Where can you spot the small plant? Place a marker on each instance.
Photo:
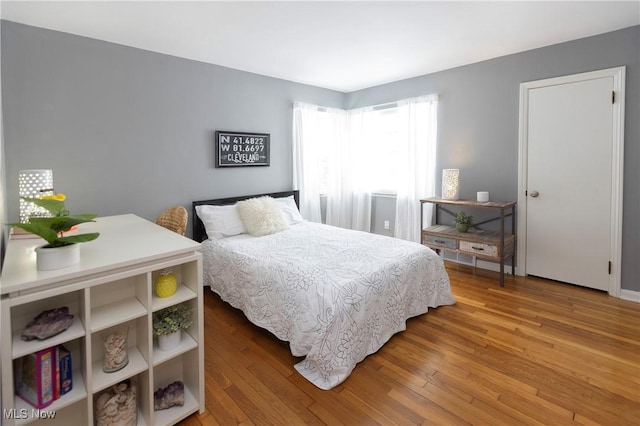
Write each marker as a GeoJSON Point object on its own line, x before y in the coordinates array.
{"type": "Point", "coordinates": [53, 228]}
{"type": "Point", "coordinates": [463, 221]}
{"type": "Point", "coordinates": [169, 320]}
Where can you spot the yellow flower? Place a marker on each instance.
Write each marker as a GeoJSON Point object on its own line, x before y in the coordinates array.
{"type": "Point", "coordinates": [59, 197]}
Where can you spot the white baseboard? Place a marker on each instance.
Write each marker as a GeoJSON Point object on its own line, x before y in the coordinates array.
{"type": "Point", "coordinates": [631, 295]}
{"type": "Point", "coordinates": [493, 266]}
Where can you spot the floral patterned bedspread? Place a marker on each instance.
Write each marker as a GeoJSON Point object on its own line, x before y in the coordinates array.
{"type": "Point", "coordinates": [335, 295]}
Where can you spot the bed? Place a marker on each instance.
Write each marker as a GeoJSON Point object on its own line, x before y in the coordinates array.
{"type": "Point", "coordinates": [335, 295]}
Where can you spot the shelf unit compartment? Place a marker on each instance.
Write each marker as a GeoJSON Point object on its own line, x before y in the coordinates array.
{"type": "Point", "coordinates": [187, 275]}
{"type": "Point", "coordinates": [178, 368]}
{"type": "Point", "coordinates": [137, 351]}
{"type": "Point", "coordinates": [102, 380]}
{"type": "Point", "coordinates": [22, 314]}
{"type": "Point", "coordinates": [62, 416]}
{"type": "Point", "coordinates": [191, 337]}
{"type": "Point", "coordinates": [67, 402]}
{"type": "Point", "coordinates": [182, 294]}
{"type": "Point", "coordinates": [22, 348]}
{"type": "Point", "coordinates": [186, 344]}
{"type": "Point", "coordinates": [141, 396]}
{"type": "Point", "coordinates": [118, 301]}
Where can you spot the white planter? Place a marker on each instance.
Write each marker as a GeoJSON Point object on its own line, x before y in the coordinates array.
{"type": "Point", "coordinates": [169, 341]}
{"type": "Point", "coordinates": [57, 257]}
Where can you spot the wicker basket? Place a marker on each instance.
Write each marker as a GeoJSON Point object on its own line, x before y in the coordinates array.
{"type": "Point", "coordinates": [174, 218]}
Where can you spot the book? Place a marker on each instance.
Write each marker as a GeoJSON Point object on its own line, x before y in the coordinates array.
{"type": "Point", "coordinates": [56, 374]}
{"type": "Point", "coordinates": [35, 377]}
{"type": "Point", "coordinates": [20, 234]}
{"type": "Point", "coordinates": [64, 368]}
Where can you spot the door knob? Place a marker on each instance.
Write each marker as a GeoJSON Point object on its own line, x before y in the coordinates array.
{"type": "Point", "coordinates": [535, 194]}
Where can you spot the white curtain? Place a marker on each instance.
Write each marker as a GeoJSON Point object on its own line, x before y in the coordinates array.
{"type": "Point", "coordinates": [349, 197]}
{"type": "Point", "coordinates": [417, 137]}
{"type": "Point", "coordinates": [305, 160]}
{"type": "Point", "coordinates": [326, 145]}
{"type": "Point", "coordinates": [333, 154]}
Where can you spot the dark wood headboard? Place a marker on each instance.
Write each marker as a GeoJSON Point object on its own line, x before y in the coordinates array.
{"type": "Point", "coordinates": [199, 233]}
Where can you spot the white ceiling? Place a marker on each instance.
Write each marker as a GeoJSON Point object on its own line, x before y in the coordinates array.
{"type": "Point", "coordinates": [338, 45]}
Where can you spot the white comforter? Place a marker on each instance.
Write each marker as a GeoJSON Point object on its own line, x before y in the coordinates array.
{"type": "Point", "coordinates": [335, 295]}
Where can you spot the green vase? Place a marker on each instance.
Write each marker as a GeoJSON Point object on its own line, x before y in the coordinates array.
{"type": "Point", "coordinates": [462, 227]}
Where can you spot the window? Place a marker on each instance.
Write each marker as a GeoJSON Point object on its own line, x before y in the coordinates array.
{"type": "Point", "coordinates": [379, 150]}
{"type": "Point", "coordinates": [385, 149]}
{"type": "Point", "coordinates": [348, 155]}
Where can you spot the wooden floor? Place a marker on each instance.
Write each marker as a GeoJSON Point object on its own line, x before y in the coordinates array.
{"type": "Point", "coordinates": [533, 352]}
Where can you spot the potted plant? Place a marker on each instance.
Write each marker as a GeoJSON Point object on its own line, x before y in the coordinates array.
{"type": "Point", "coordinates": [168, 324]}
{"type": "Point", "coordinates": [61, 250]}
{"type": "Point", "coordinates": [462, 221]}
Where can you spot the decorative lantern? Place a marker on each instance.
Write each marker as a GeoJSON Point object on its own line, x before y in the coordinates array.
{"type": "Point", "coordinates": [34, 184]}
{"type": "Point", "coordinates": [451, 184]}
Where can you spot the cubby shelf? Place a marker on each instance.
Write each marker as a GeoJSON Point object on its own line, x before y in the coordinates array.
{"type": "Point", "coordinates": [186, 344]}
{"type": "Point", "coordinates": [22, 348]}
{"type": "Point", "coordinates": [111, 288]}
{"type": "Point", "coordinates": [78, 393]}
{"type": "Point", "coordinates": [102, 380]}
{"type": "Point", "coordinates": [182, 294]}
{"type": "Point", "coordinates": [116, 313]}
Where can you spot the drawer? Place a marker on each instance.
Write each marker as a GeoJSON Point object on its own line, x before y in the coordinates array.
{"type": "Point", "coordinates": [480, 249]}
{"type": "Point", "coordinates": [432, 240]}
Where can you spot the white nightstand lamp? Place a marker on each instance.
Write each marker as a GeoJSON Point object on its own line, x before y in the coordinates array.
{"type": "Point", "coordinates": [451, 184]}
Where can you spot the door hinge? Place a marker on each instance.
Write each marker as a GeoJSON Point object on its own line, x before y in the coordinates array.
{"type": "Point", "coordinates": [613, 97]}
{"type": "Point", "coordinates": [609, 267]}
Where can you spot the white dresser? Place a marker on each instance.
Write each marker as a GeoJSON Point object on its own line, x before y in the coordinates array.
{"type": "Point", "coordinates": [111, 288]}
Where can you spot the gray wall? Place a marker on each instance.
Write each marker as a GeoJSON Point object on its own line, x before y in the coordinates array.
{"type": "Point", "coordinates": [478, 121]}
{"type": "Point", "coordinates": [126, 130]}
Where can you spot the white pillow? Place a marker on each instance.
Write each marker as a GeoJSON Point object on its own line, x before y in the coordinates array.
{"type": "Point", "coordinates": [220, 221]}
{"type": "Point", "coordinates": [290, 210]}
{"type": "Point", "coordinates": [261, 216]}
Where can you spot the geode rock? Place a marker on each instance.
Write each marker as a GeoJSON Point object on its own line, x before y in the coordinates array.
{"type": "Point", "coordinates": [48, 323]}
{"type": "Point", "coordinates": [169, 396]}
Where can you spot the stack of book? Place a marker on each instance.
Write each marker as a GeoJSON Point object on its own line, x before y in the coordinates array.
{"type": "Point", "coordinates": [44, 376]}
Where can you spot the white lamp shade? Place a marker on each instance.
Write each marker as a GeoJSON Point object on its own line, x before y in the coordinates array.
{"type": "Point", "coordinates": [34, 184]}
{"type": "Point", "coordinates": [451, 184]}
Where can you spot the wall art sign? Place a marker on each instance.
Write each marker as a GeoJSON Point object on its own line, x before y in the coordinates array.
{"type": "Point", "coordinates": [239, 149]}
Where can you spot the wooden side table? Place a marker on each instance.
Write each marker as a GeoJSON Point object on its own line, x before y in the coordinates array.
{"type": "Point", "coordinates": [495, 246]}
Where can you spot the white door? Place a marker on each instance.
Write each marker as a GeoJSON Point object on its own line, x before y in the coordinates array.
{"type": "Point", "coordinates": [569, 182]}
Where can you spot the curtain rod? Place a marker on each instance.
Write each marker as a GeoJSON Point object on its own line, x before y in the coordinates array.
{"type": "Point", "coordinates": [372, 107]}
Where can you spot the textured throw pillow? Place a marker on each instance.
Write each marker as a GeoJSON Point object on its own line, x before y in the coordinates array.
{"type": "Point", "coordinates": [290, 210]}
{"type": "Point", "coordinates": [220, 221]}
{"type": "Point", "coordinates": [261, 216]}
